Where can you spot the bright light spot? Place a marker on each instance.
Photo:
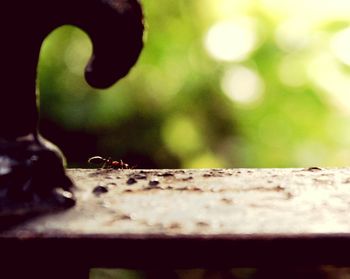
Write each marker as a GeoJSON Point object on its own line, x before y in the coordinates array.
{"type": "Point", "coordinates": [293, 34]}
{"type": "Point", "coordinates": [231, 40]}
{"type": "Point", "coordinates": [228, 8]}
{"type": "Point", "coordinates": [242, 85]}
{"type": "Point", "coordinates": [314, 11]}
{"type": "Point", "coordinates": [340, 45]}
{"type": "Point", "coordinates": [327, 74]}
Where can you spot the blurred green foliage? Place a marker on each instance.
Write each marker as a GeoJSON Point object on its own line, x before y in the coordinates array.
{"type": "Point", "coordinates": [220, 83]}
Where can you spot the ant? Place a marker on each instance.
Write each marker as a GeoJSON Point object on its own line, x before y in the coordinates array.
{"type": "Point", "coordinates": [108, 163]}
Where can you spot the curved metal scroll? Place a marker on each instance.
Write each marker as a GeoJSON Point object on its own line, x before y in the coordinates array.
{"type": "Point", "coordinates": [31, 170]}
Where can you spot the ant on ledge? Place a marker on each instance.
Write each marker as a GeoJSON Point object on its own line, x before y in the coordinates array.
{"type": "Point", "coordinates": [108, 163]}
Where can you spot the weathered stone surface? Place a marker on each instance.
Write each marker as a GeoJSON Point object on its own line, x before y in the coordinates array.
{"type": "Point", "coordinates": [190, 219]}
{"type": "Point", "coordinates": [201, 202]}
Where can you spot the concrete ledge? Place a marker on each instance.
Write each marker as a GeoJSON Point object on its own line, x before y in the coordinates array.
{"type": "Point", "coordinates": [194, 218]}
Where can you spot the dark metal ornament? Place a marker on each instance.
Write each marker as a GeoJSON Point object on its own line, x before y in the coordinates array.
{"type": "Point", "coordinates": [32, 175]}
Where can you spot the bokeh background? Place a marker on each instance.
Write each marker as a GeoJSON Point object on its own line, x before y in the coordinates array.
{"type": "Point", "coordinates": [220, 83]}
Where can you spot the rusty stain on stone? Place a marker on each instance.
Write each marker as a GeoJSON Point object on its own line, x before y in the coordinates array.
{"type": "Point", "coordinates": [196, 189]}
{"type": "Point", "coordinates": [227, 200]}
{"type": "Point", "coordinates": [174, 225]}
{"type": "Point", "coordinates": [187, 178]}
{"type": "Point", "coordinates": [124, 217]}
{"type": "Point", "coordinates": [202, 224]}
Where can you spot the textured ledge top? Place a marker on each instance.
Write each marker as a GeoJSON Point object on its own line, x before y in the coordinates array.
{"type": "Point", "coordinates": [211, 217]}
{"type": "Point", "coordinates": [201, 202]}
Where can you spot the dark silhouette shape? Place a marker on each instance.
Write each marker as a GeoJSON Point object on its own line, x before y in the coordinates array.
{"type": "Point", "coordinates": [32, 176]}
